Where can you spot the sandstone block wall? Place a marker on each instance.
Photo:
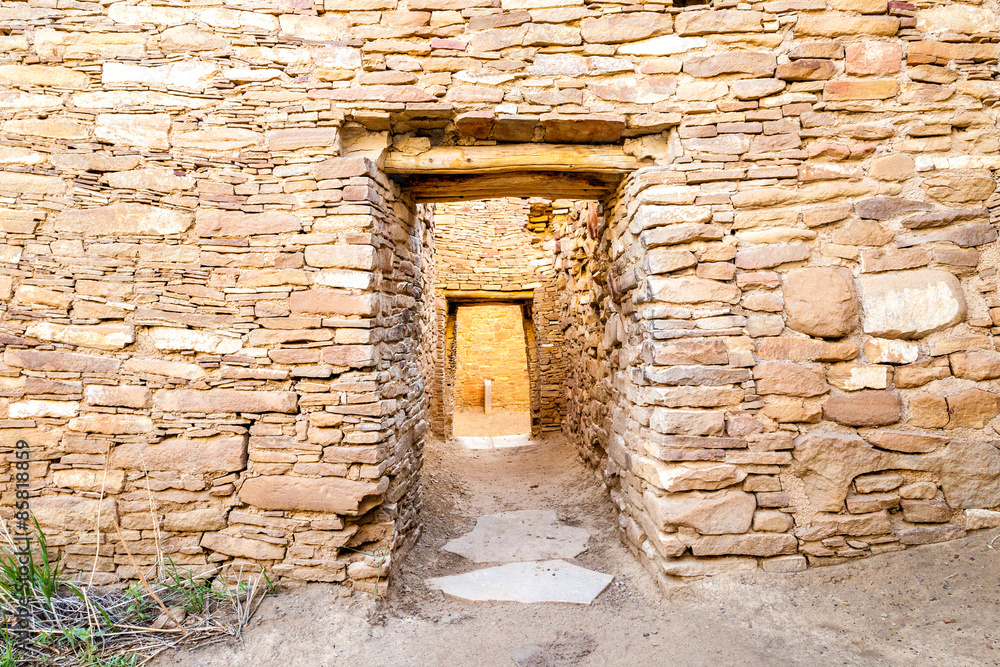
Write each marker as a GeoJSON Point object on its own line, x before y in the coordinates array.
{"type": "Point", "coordinates": [756, 398]}
{"type": "Point", "coordinates": [217, 315]}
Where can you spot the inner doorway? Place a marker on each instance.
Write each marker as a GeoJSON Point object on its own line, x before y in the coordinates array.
{"type": "Point", "coordinates": [497, 298]}
{"type": "Point", "coordinates": [492, 387]}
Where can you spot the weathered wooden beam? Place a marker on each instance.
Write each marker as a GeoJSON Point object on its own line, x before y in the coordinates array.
{"type": "Point", "coordinates": [513, 157]}
{"type": "Point", "coordinates": [488, 295]}
{"type": "Point", "coordinates": [445, 188]}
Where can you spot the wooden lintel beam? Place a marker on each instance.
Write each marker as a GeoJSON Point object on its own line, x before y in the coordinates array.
{"type": "Point", "coordinates": [487, 295]}
{"type": "Point", "coordinates": [469, 187]}
{"type": "Point", "coordinates": [608, 159]}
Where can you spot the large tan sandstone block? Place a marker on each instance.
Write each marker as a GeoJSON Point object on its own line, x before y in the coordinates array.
{"type": "Point", "coordinates": [738, 62]}
{"type": "Point", "coordinates": [632, 27]}
{"type": "Point", "coordinates": [707, 567]}
{"type": "Point", "coordinates": [341, 256]}
{"type": "Point", "coordinates": [689, 422]}
{"type": "Point", "coordinates": [124, 219]}
{"type": "Point", "coordinates": [171, 369]}
{"type": "Point", "coordinates": [763, 257]}
{"type": "Point", "coordinates": [117, 396]}
{"type": "Point", "coordinates": [697, 351]}
{"type": "Point", "coordinates": [195, 456]}
{"type": "Point", "coordinates": [960, 188]}
{"type": "Point", "coordinates": [97, 336]}
{"type": "Point", "coordinates": [217, 139]}
{"type": "Point", "coordinates": [173, 339]}
{"type": "Point", "coordinates": [43, 75]}
{"type": "Point", "coordinates": [224, 400]}
{"type": "Point", "coordinates": [52, 128]}
{"type": "Point", "coordinates": [928, 411]}
{"type": "Point", "coordinates": [778, 377]}
{"type": "Point", "coordinates": [214, 222]}
{"type": "Point", "coordinates": [907, 442]}
{"type": "Point", "coordinates": [150, 178]}
{"type": "Point", "coordinates": [59, 45]}
{"type": "Point", "coordinates": [832, 24]}
{"type": "Point", "coordinates": [871, 57]}
{"type": "Point", "coordinates": [196, 520]}
{"type": "Point", "coordinates": [242, 547]}
{"type": "Point", "coordinates": [690, 290]}
{"type": "Point", "coordinates": [188, 39]}
{"type": "Point", "coordinates": [976, 365]}
{"type": "Point", "coordinates": [95, 481]}
{"type": "Point", "coordinates": [972, 408]}
{"type": "Point", "coordinates": [328, 494]}
{"type": "Point", "coordinates": [188, 74]}
{"type": "Point", "coordinates": [910, 304]}
{"type": "Point", "coordinates": [864, 408]}
{"type": "Point", "coordinates": [960, 19]}
{"type": "Point", "coordinates": [804, 349]}
{"type": "Point", "coordinates": [864, 89]}
{"type": "Point", "coordinates": [111, 424]}
{"type": "Point", "coordinates": [309, 137]}
{"type": "Point", "coordinates": [329, 302]}
{"type": "Point", "coordinates": [753, 544]}
{"type": "Point", "coordinates": [35, 184]}
{"type": "Point", "coordinates": [713, 22]}
{"type": "Point", "coordinates": [74, 513]}
{"type": "Point", "coordinates": [121, 12]}
{"type": "Point", "coordinates": [977, 519]}
{"type": "Point", "coordinates": [696, 476]}
{"type": "Point", "coordinates": [60, 361]}
{"type": "Point", "coordinates": [708, 513]}
{"type": "Point", "coordinates": [853, 525]}
{"type": "Point", "coordinates": [820, 302]}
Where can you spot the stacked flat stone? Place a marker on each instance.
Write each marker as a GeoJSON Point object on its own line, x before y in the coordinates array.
{"type": "Point", "coordinates": [218, 324]}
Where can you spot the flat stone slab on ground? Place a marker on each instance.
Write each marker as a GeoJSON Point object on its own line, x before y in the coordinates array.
{"type": "Point", "coordinates": [497, 442]}
{"type": "Point", "coordinates": [547, 581]}
{"type": "Point", "coordinates": [519, 536]}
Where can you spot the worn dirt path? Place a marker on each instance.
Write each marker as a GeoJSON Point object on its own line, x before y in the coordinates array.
{"type": "Point", "coordinates": [938, 604]}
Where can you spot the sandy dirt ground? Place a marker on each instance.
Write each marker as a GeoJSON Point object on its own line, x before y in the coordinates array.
{"type": "Point", "coordinates": [937, 604]}
{"type": "Point", "coordinates": [500, 422]}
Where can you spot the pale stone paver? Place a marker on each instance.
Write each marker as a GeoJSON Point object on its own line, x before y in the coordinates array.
{"type": "Point", "coordinates": [498, 442]}
{"type": "Point", "coordinates": [519, 536]}
{"type": "Point", "coordinates": [546, 581]}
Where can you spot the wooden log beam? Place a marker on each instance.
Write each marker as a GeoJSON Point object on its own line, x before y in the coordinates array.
{"type": "Point", "coordinates": [488, 295]}
{"type": "Point", "coordinates": [513, 157]}
{"type": "Point", "coordinates": [445, 188]}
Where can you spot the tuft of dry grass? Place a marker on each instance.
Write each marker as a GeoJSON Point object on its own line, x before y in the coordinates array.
{"type": "Point", "coordinates": [118, 626]}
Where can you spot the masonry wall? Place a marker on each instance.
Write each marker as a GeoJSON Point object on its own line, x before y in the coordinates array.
{"type": "Point", "coordinates": [215, 302]}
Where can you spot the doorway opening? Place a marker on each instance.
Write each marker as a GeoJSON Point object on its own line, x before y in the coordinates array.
{"type": "Point", "coordinates": [490, 354]}
{"type": "Point", "coordinates": [501, 345]}
{"type": "Point", "coordinates": [527, 255]}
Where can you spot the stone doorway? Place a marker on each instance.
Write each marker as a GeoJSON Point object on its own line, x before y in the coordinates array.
{"type": "Point", "coordinates": [500, 280]}
{"type": "Point", "coordinates": [497, 315]}
{"type": "Point", "coordinates": [558, 278]}
{"type": "Point", "coordinates": [490, 340]}
{"type": "Point", "coordinates": [538, 268]}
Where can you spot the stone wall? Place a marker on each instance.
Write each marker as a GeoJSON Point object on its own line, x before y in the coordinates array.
{"type": "Point", "coordinates": [491, 345]}
{"type": "Point", "coordinates": [776, 402]}
{"type": "Point", "coordinates": [217, 315]}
